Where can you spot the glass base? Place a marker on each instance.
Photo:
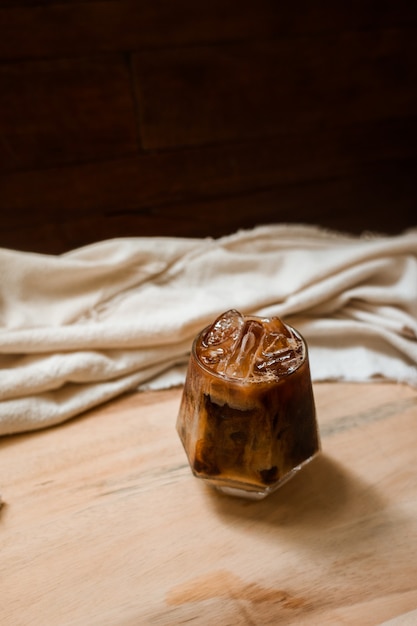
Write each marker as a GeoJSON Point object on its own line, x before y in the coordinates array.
{"type": "Point", "coordinates": [249, 492]}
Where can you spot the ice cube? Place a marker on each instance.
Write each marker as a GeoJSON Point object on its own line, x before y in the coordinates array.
{"type": "Point", "coordinates": [244, 347]}
{"type": "Point", "coordinates": [241, 359]}
{"type": "Point", "coordinates": [219, 340]}
{"type": "Point", "coordinates": [226, 327]}
{"type": "Point", "coordinates": [281, 351]}
{"type": "Point", "coordinates": [274, 326]}
{"type": "Point", "coordinates": [211, 356]}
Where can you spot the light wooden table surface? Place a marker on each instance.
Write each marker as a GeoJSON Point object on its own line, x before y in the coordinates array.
{"type": "Point", "coordinates": [104, 524]}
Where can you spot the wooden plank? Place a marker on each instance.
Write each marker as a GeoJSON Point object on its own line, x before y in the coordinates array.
{"type": "Point", "coordinates": [235, 91]}
{"type": "Point", "coordinates": [63, 111]}
{"type": "Point", "coordinates": [381, 200]}
{"type": "Point", "coordinates": [49, 28]}
{"type": "Point", "coordinates": [104, 524]}
{"type": "Point", "coordinates": [198, 174]}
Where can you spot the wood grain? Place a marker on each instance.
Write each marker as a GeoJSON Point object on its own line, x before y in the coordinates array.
{"type": "Point", "coordinates": [236, 91]}
{"type": "Point", "coordinates": [154, 179]}
{"type": "Point", "coordinates": [103, 522]}
{"type": "Point", "coordinates": [48, 28]}
{"type": "Point", "coordinates": [381, 201]}
{"type": "Point", "coordinates": [51, 112]}
{"type": "Point", "coordinates": [214, 191]}
{"type": "Point", "coordinates": [124, 118]}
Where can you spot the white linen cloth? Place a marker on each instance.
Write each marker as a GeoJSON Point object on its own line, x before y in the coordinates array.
{"type": "Point", "coordinates": [80, 328]}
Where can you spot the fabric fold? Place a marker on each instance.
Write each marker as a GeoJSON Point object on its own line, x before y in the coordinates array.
{"type": "Point", "coordinates": [80, 328]}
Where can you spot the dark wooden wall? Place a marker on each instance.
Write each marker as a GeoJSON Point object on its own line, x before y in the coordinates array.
{"type": "Point", "coordinates": [188, 118]}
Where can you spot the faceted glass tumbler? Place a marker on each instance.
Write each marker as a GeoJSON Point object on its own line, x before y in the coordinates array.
{"type": "Point", "coordinates": [247, 435]}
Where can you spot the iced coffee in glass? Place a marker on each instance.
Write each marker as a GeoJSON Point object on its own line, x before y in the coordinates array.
{"type": "Point", "coordinates": [247, 417]}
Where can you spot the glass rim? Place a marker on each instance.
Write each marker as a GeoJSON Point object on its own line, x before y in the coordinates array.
{"type": "Point", "coordinates": [241, 382]}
